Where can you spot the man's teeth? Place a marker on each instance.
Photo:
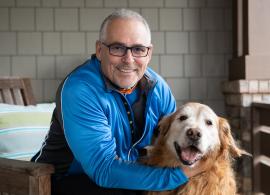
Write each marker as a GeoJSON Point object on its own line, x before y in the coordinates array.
{"type": "Point", "coordinates": [126, 70]}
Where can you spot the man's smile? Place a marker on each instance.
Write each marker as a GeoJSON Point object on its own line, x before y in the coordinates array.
{"type": "Point", "coordinates": [126, 70]}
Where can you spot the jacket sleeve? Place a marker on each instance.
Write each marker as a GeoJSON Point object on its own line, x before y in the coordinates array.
{"type": "Point", "coordinates": [90, 139]}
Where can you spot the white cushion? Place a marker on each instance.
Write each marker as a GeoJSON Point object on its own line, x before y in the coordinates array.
{"type": "Point", "coordinates": [23, 129]}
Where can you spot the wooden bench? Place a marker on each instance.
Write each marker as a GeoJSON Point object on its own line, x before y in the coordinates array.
{"type": "Point", "coordinates": [16, 91]}
{"type": "Point", "coordinates": [22, 177]}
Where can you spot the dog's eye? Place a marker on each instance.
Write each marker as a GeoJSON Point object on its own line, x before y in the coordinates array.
{"type": "Point", "coordinates": [183, 117]}
{"type": "Point", "coordinates": [208, 122]}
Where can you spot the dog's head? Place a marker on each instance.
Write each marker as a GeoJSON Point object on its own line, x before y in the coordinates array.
{"type": "Point", "coordinates": [194, 131]}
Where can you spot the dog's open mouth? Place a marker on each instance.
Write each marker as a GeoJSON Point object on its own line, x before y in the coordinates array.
{"type": "Point", "coordinates": [188, 155]}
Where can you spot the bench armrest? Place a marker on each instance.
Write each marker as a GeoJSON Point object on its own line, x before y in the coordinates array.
{"type": "Point", "coordinates": [23, 177]}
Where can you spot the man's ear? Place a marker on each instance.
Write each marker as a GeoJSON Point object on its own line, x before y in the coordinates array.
{"type": "Point", "coordinates": [98, 49]}
{"type": "Point", "coordinates": [150, 52]}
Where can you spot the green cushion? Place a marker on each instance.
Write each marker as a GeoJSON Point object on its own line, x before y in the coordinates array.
{"type": "Point", "coordinates": [22, 119]}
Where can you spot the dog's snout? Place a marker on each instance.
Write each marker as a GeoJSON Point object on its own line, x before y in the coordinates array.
{"type": "Point", "coordinates": [193, 134]}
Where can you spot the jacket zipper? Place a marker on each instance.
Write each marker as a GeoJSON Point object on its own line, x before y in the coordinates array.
{"type": "Point", "coordinates": [148, 100]}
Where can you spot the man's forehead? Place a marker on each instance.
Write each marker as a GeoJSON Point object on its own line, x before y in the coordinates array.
{"type": "Point", "coordinates": [122, 29]}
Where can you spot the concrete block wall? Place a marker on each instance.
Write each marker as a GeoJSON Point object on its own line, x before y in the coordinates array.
{"type": "Point", "coordinates": [45, 39]}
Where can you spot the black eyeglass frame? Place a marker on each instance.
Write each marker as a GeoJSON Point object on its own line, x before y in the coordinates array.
{"type": "Point", "coordinates": [126, 49]}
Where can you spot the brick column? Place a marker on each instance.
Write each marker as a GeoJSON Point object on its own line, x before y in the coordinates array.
{"type": "Point", "coordinates": [239, 95]}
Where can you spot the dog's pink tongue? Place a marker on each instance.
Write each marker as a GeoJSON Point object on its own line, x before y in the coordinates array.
{"type": "Point", "coordinates": [189, 154]}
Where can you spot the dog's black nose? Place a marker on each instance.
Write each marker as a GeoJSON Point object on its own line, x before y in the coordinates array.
{"type": "Point", "coordinates": [193, 134]}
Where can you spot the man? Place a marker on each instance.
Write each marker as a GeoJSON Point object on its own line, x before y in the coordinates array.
{"type": "Point", "coordinates": [106, 112]}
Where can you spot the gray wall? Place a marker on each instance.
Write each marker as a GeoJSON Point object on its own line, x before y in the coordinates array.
{"type": "Point", "coordinates": [45, 39]}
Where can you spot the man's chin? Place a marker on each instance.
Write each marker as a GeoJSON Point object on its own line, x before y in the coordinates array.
{"type": "Point", "coordinates": [126, 85]}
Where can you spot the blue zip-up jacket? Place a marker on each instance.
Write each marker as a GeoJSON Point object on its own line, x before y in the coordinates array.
{"type": "Point", "coordinates": [91, 133]}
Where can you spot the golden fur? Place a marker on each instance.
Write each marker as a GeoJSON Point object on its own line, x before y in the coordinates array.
{"type": "Point", "coordinates": [218, 177]}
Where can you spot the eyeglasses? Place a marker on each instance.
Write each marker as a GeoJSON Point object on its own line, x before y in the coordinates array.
{"type": "Point", "coordinates": [121, 50]}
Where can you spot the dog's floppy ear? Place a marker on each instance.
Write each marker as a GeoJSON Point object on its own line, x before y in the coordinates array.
{"type": "Point", "coordinates": [227, 141]}
{"type": "Point", "coordinates": [164, 125]}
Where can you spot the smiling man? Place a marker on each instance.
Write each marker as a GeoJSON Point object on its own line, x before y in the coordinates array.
{"type": "Point", "coordinates": [106, 112]}
{"type": "Point", "coordinates": [127, 51]}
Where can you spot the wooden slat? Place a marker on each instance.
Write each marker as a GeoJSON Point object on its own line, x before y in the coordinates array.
{"type": "Point", "coordinates": [1, 97]}
{"type": "Point", "coordinates": [263, 160]}
{"type": "Point", "coordinates": [10, 82]}
{"type": "Point", "coordinates": [28, 92]}
{"type": "Point", "coordinates": [263, 129]}
{"type": "Point", "coordinates": [7, 96]}
{"type": "Point", "coordinates": [17, 94]}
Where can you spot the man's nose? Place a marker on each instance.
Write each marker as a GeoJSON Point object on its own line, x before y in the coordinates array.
{"type": "Point", "coordinates": [128, 58]}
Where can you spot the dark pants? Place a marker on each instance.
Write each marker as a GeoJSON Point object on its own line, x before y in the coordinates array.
{"type": "Point", "coordinates": [82, 185]}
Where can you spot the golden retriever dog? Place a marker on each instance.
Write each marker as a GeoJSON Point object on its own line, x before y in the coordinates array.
{"type": "Point", "coordinates": [195, 136]}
